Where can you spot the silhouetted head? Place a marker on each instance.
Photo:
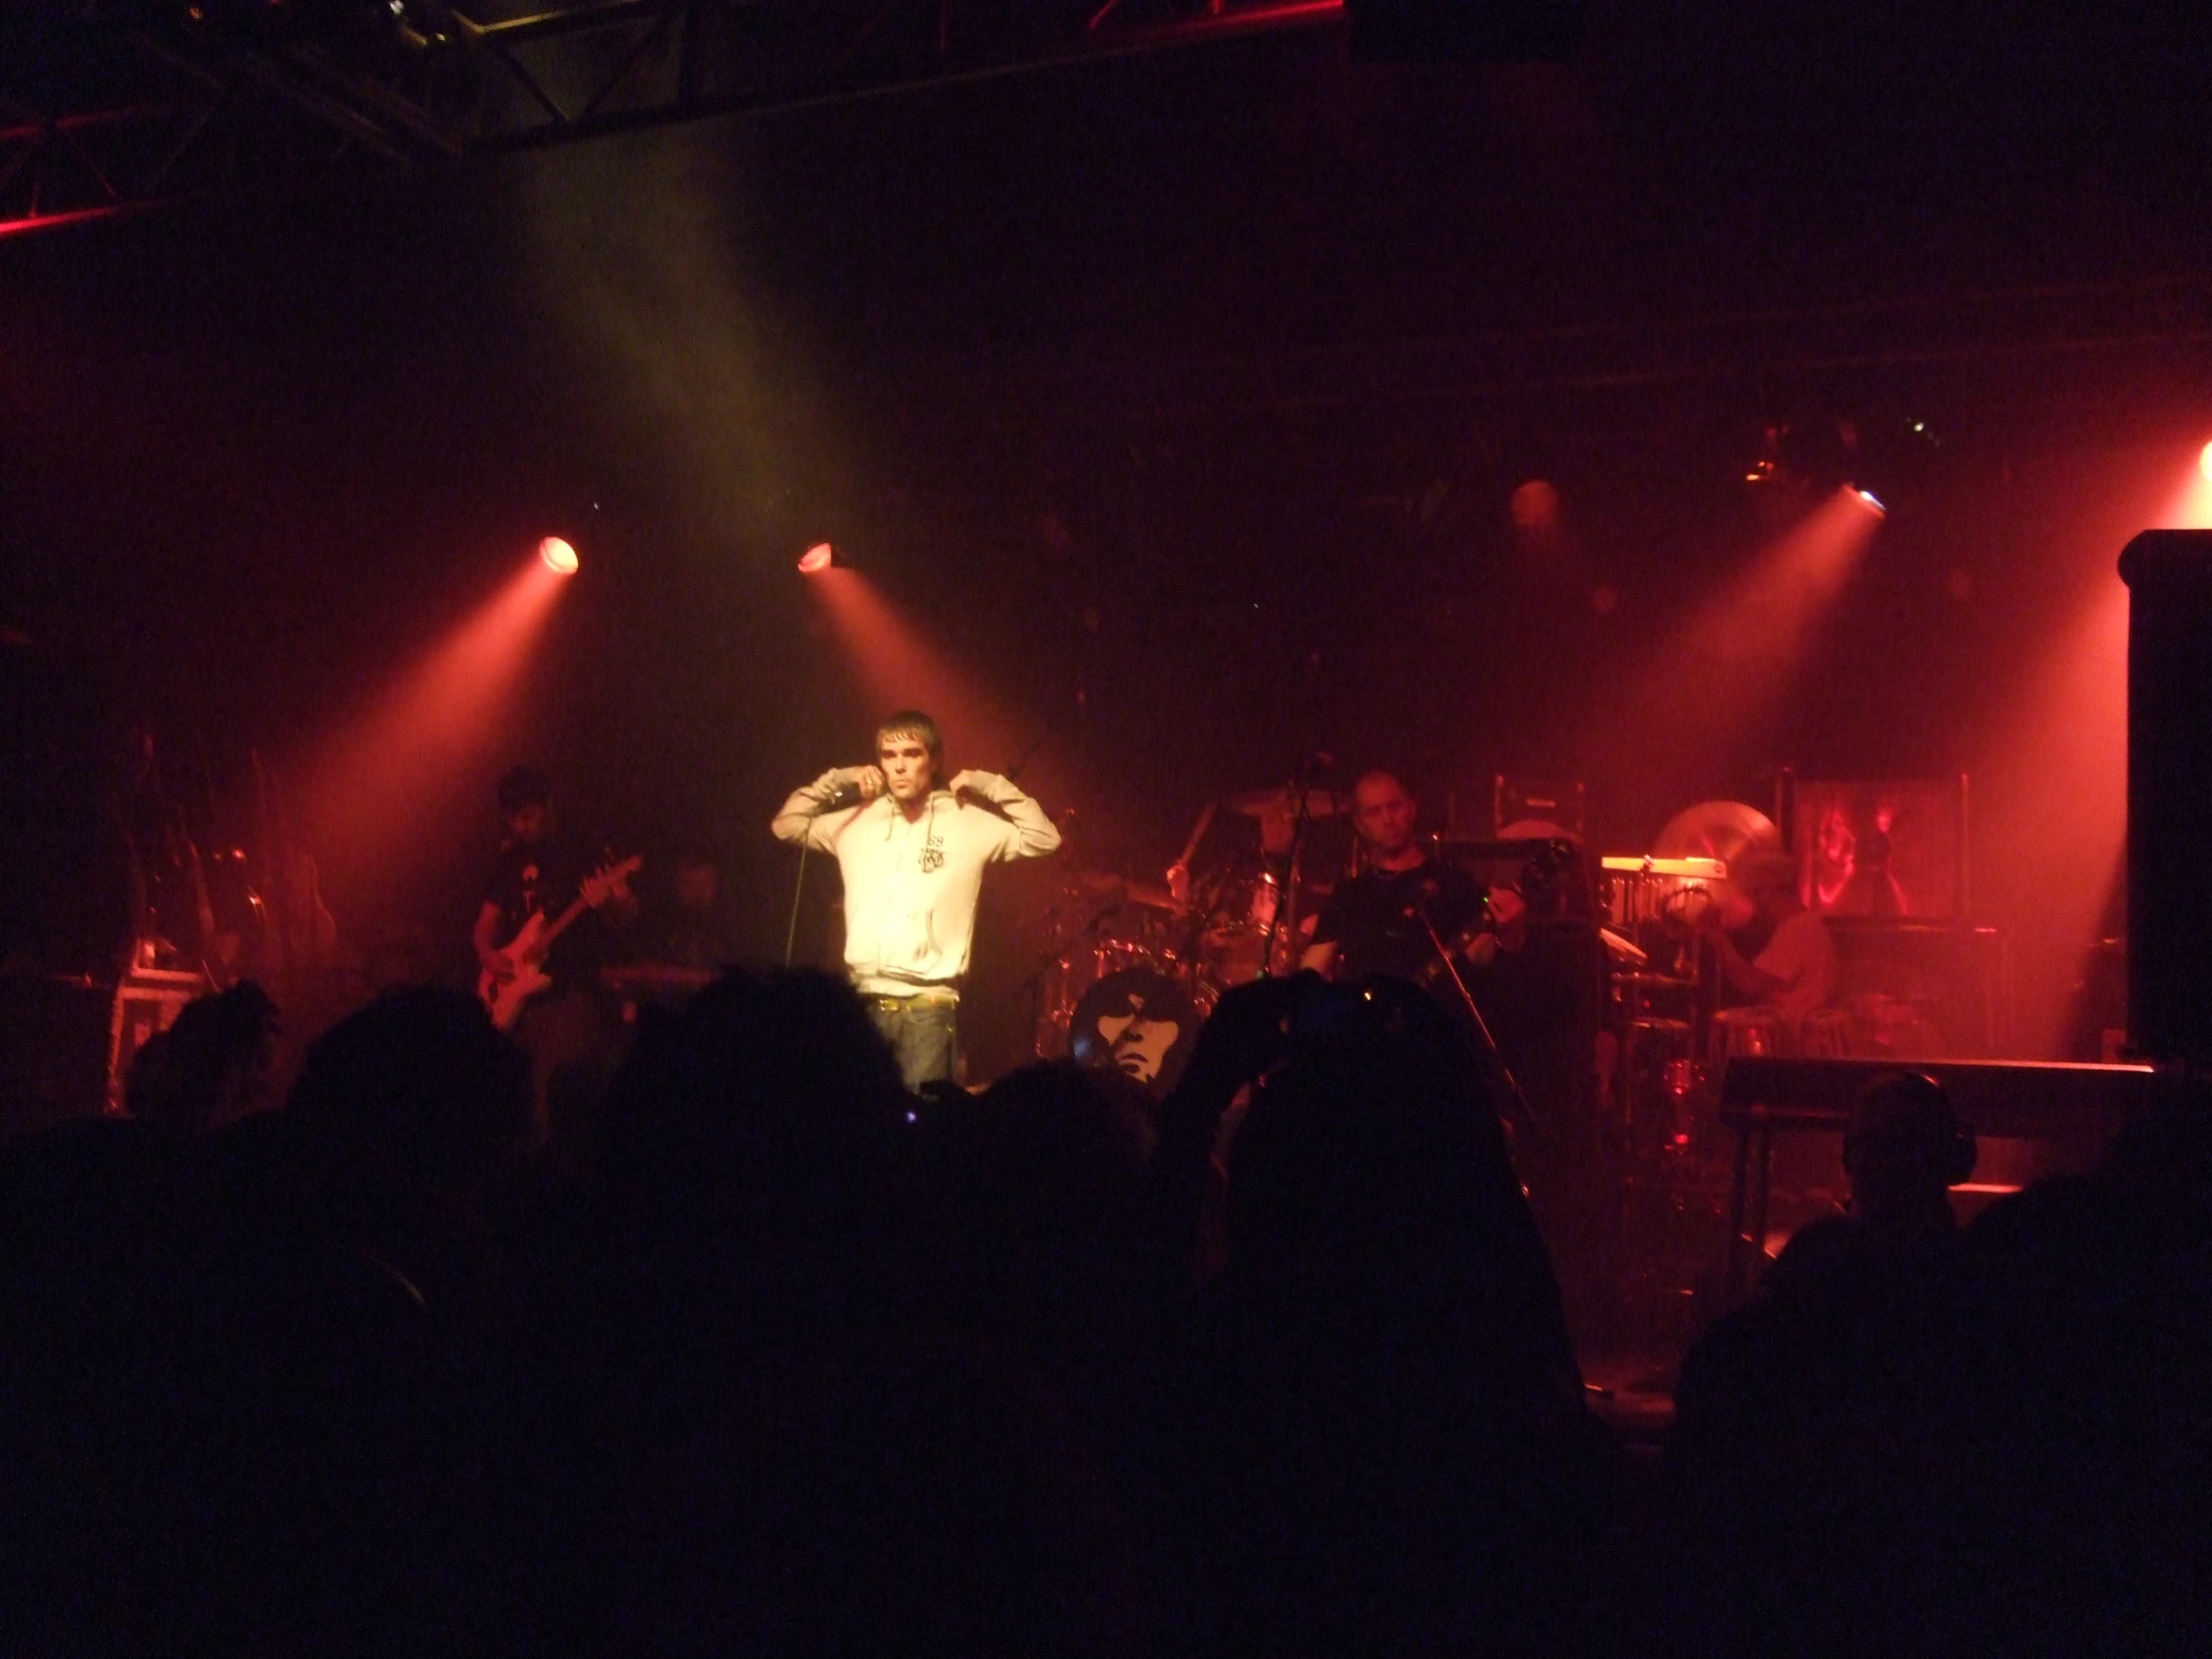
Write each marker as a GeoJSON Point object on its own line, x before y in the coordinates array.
{"type": "Point", "coordinates": [1373, 1152]}
{"type": "Point", "coordinates": [757, 1126]}
{"type": "Point", "coordinates": [1040, 1182]}
{"type": "Point", "coordinates": [421, 1078]}
{"type": "Point", "coordinates": [526, 804]}
{"type": "Point", "coordinates": [209, 1069]}
{"type": "Point", "coordinates": [1904, 1148]}
{"type": "Point", "coordinates": [698, 880]}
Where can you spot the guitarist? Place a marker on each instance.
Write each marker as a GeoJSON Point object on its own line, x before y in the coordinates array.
{"type": "Point", "coordinates": [542, 869]}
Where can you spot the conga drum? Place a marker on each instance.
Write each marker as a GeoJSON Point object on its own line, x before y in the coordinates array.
{"type": "Point", "coordinates": [1745, 1033]}
{"type": "Point", "coordinates": [1828, 1034]}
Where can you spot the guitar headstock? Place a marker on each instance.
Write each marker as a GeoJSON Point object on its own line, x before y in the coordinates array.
{"type": "Point", "coordinates": [610, 878]}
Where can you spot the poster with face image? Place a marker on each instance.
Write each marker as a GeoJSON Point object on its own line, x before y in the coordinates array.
{"type": "Point", "coordinates": [1882, 849]}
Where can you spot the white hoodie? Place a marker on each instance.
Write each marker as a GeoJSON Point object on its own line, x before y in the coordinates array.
{"type": "Point", "coordinates": [911, 887]}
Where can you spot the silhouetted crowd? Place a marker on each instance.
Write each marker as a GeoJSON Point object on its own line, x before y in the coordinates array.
{"type": "Point", "coordinates": [758, 1353]}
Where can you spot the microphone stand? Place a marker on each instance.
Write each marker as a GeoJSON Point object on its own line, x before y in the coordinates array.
{"type": "Point", "coordinates": [798, 890]}
{"type": "Point", "coordinates": [1486, 1048]}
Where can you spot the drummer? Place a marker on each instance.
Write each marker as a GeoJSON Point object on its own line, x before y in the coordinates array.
{"type": "Point", "coordinates": [1795, 972]}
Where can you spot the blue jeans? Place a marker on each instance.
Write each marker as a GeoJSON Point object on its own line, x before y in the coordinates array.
{"type": "Point", "coordinates": [922, 1035]}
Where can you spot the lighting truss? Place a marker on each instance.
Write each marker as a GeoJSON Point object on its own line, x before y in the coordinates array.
{"type": "Point", "coordinates": [2101, 321]}
{"type": "Point", "coordinates": [116, 106]}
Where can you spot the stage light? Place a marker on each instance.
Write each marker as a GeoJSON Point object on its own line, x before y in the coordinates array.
{"type": "Point", "coordinates": [559, 557]}
{"type": "Point", "coordinates": [388, 787]}
{"type": "Point", "coordinates": [2204, 461]}
{"type": "Point", "coordinates": [1535, 508]}
{"type": "Point", "coordinates": [819, 557]}
{"type": "Point", "coordinates": [1868, 497]}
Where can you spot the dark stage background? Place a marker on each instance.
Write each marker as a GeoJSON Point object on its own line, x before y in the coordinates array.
{"type": "Point", "coordinates": [1178, 403]}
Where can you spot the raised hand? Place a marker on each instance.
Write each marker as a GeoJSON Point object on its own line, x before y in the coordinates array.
{"type": "Point", "coordinates": [869, 782]}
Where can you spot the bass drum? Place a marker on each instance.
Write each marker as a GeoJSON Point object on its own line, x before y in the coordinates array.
{"type": "Point", "coordinates": [1139, 1023]}
{"type": "Point", "coordinates": [1064, 982]}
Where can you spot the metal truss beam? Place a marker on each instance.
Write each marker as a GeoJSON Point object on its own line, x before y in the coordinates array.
{"type": "Point", "coordinates": [1997, 328]}
{"type": "Point", "coordinates": [289, 108]}
{"type": "Point", "coordinates": [201, 143]}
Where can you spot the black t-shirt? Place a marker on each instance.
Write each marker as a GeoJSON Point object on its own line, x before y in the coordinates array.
{"type": "Point", "coordinates": [1374, 919]}
{"type": "Point", "coordinates": [547, 875]}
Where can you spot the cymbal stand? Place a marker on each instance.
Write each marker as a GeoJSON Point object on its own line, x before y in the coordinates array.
{"type": "Point", "coordinates": [1032, 988]}
{"type": "Point", "coordinates": [1286, 903]}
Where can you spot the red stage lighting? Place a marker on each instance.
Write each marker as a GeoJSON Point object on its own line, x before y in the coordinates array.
{"type": "Point", "coordinates": [1867, 499]}
{"type": "Point", "coordinates": [817, 558]}
{"type": "Point", "coordinates": [1535, 508]}
{"type": "Point", "coordinates": [559, 557]}
{"type": "Point", "coordinates": [2204, 461]}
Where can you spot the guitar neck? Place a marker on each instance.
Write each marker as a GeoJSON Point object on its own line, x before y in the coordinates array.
{"type": "Point", "coordinates": [575, 911]}
{"type": "Point", "coordinates": [563, 922]}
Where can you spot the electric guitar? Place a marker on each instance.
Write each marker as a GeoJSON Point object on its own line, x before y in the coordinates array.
{"type": "Point", "coordinates": [526, 952]}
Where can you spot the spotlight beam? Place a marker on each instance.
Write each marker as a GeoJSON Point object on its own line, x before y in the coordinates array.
{"type": "Point", "coordinates": [899, 668]}
{"type": "Point", "coordinates": [1740, 647]}
{"type": "Point", "coordinates": [380, 790]}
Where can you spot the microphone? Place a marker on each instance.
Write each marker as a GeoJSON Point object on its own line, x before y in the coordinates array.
{"type": "Point", "coordinates": [844, 795]}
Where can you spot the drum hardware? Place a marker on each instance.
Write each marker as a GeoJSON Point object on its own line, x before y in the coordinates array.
{"type": "Point", "coordinates": [1634, 991]}
{"type": "Point", "coordinates": [1318, 803]}
{"type": "Point", "coordinates": [1664, 1104]}
{"type": "Point", "coordinates": [1641, 891]}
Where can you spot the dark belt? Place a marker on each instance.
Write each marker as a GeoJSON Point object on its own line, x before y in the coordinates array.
{"type": "Point", "coordinates": [892, 1004]}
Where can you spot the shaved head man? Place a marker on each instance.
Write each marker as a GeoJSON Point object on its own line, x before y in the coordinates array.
{"type": "Point", "coordinates": [1380, 920]}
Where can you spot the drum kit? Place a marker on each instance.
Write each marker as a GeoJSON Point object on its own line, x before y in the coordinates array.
{"type": "Point", "coordinates": [1129, 958]}
{"type": "Point", "coordinates": [1669, 1038]}
{"type": "Point", "coordinates": [1114, 945]}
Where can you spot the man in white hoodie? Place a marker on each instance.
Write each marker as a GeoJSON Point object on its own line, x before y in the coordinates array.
{"type": "Point", "coordinates": [912, 854]}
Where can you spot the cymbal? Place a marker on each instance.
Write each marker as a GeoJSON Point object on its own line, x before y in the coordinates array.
{"type": "Point", "coordinates": [1253, 802]}
{"type": "Point", "coordinates": [1655, 981]}
{"type": "Point", "coordinates": [1142, 892]}
{"type": "Point", "coordinates": [1108, 884]}
{"type": "Point", "coordinates": [1620, 949]}
{"type": "Point", "coordinates": [1717, 829]}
